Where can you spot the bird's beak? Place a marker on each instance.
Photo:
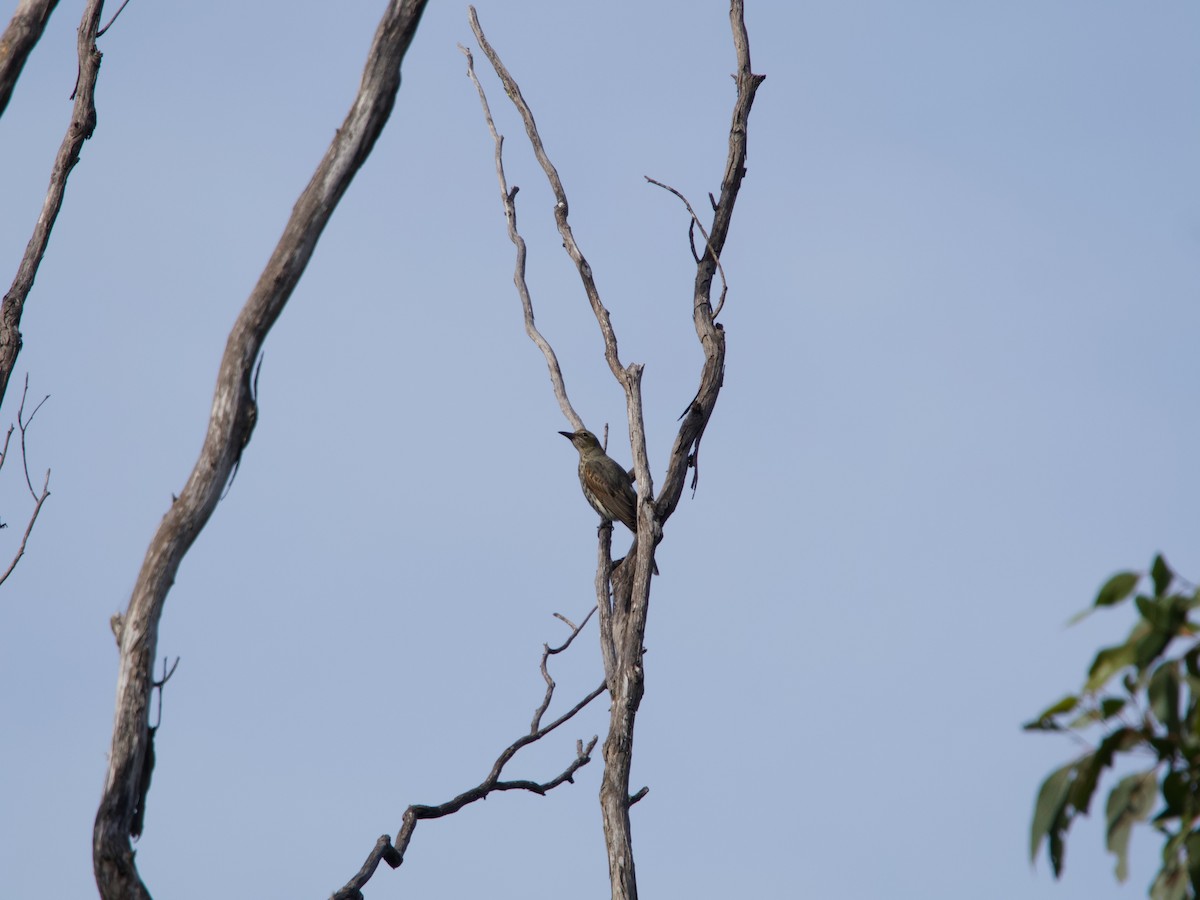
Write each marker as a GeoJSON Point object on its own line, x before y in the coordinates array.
{"type": "Point", "coordinates": [569, 435]}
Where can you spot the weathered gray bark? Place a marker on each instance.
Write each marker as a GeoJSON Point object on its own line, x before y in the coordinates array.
{"type": "Point", "coordinates": [229, 428]}
{"type": "Point", "coordinates": [631, 589]}
{"type": "Point", "coordinates": [623, 612]}
{"type": "Point", "coordinates": [19, 38]}
{"type": "Point", "coordinates": [83, 123]}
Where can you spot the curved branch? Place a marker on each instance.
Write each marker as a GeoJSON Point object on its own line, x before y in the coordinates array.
{"type": "Point", "coordinates": [20, 37]}
{"type": "Point", "coordinates": [685, 450]}
{"type": "Point", "coordinates": [623, 618]}
{"type": "Point", "coordinates": [561, 208]}
{"type": "Point", "coordinates": [629, 377]}
{"type": "Point", "coordinates": [509, 199]}
{"type": "Point", "coordinates": [39, 499]}
{"type": "Point", "coordinates": [696, 223]}
{"type": "Point", "coordinates": [83, 123]}
{"type": "Point", "coordinates": [393, 854]}
{"type": "Point", "coordinates": [229, 428]}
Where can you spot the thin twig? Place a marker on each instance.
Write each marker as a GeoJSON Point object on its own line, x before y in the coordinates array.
{"type": "Point", "coordinates": [696, 221]}
{"type": "Point", "coordinates": [508, 200]}
{"type": "Point", "coordinates": [113, 19]}
{"type": "Point", "coordinates": [575, 629]}
{"type": "Point", "coordinates": [547, 652]}
{"type": "Point", "coordinates": [38, 498]}
{"type": "Point", "coordinates": [393, 853]}
{"type": "Point", "coordinates": [37, 508]}
{"type": "Point", "coordinates": [561, 207]}
{"type": "Point", "coordinates": [4, 450]}
{"type": "Point", "coordinates": [24, 424]}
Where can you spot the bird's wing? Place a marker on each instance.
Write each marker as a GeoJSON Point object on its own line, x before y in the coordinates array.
{"type": "Point", "coordinates": [622, 502]}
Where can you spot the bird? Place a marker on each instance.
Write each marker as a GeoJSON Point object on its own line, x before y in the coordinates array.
{"type": "Point", "coordinates": [607, 486]}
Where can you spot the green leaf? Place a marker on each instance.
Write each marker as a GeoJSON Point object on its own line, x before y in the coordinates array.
{"type": "Point", "coordinates": [1087, 776]}
{"type": "Point", "coordinates": [1162, 576]}
{"type": "Point", "coordinates": [1151, 610]}
{"type": "Point", "coordinates": [1052, 796]}
{"type": "Point", "coordinates": [1150, 648]}
{"type": "Point", "coordinates": [1117, 588]}
{"type": "Point", "coordinates": [1163, 692]}
{"type": "Point", "coordinates": [1172, 879]}
{"type": "Point", "coordinates": [1045, 719]}
{"type": "Point", "coordinates": [1176, 787]}
{"type": "Point", "coordinates": [1105, 710]}
{"type": "Point", "coordinates": [1193, 860]}
{"type": "Point", "coordinates": [1108, 663]}
{"type": "Point", "coordinates": [1080, 616]}
{"type": "Point", "coordinates": [1171, 883]}
{"type": "Point", "coordinates": [1129, 802]}
{"type": "Point", "coordinates": [1057, 844]}
{"type": "Point", "coordinates": [1111, 706]}
{"type": "Point", "coordinates": [1191, 659]}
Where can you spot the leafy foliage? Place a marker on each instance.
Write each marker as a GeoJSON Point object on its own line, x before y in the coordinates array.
{"type": "Point", "coordinates": [1146, 705]}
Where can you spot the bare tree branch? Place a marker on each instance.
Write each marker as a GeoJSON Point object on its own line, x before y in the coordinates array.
{"type": "Point", "coordinates": [37, 508]}
{"type": "Point", "coordinates": [112, 21]}
{"type": "Point", "coordinates": [712, 336]}
{"type": "Point", "coordinates": [83, 123]}
{"type": "Point", "coordinates": [696, 223]}
{"type": "Point", "coordinates": [229, 425]}
{"type": "Point", "coordinates": [508, 199]}
{"type": "Point", "coordinates": [20, 37]}
{"type": "Point", "coordinates": [623, 615]}
{"type": "Point", "coordinates": [24, 424]}
{"type": "Point", "coordinates": [547, 652]}
{"type": "Point", "coordinates": [560, 199]}
{"type": "Point", "coordinates": [628, 378]}
{"type": "Point", "coordinates": [4, 450]}
{"type": "Point", "coordinates": [39, 498]}
{"type": "Point", "coordinates": [393, 854]}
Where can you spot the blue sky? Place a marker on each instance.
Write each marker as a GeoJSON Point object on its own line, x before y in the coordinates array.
{"type": "Point", "coordinates": [959, 394]}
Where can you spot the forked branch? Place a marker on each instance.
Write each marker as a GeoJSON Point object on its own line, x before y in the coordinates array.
{"type": "Point", "coordinates": [509, 200]}
{"type": "Point", "coordinates": [623, 617]}
{"type": "Point", "coordinates": [393, 853]}
{"type": "Point", "coordinates": [561, 207]}
{"type": "Point", "coordinates": [39, 497]}
{"type": "Point", "coordinates": [685, 450]}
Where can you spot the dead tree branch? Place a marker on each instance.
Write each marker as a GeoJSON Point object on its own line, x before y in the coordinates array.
{"type": "Point", "coordinates": [393, 853]}
{"type": "Point", "coordinates": [230, 422]}
{"type": "Point", "coordinates": [83, 123]}
{"type": "Point", "coordinates": [711, 335]}
{"type": "Point", "coordinates": [623, 617]}
{"type": "Point", "coordinates": [696, 223]}
{"type": "Point", "coordinates": [113, 20]}
{"type": "Point", "coordinates": [23, 424]}
{"type": "Point", "coordinates": [20, 37]}
{"type": "Point", "coordinates": [37, 508]}
{"type": "Point", "coordinates": [39, 497]}
{"type": "Point", "coordinates": [509, 200]}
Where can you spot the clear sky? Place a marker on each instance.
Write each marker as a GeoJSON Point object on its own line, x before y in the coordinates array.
{"type": "Point", "coordinates": [961, 391]}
